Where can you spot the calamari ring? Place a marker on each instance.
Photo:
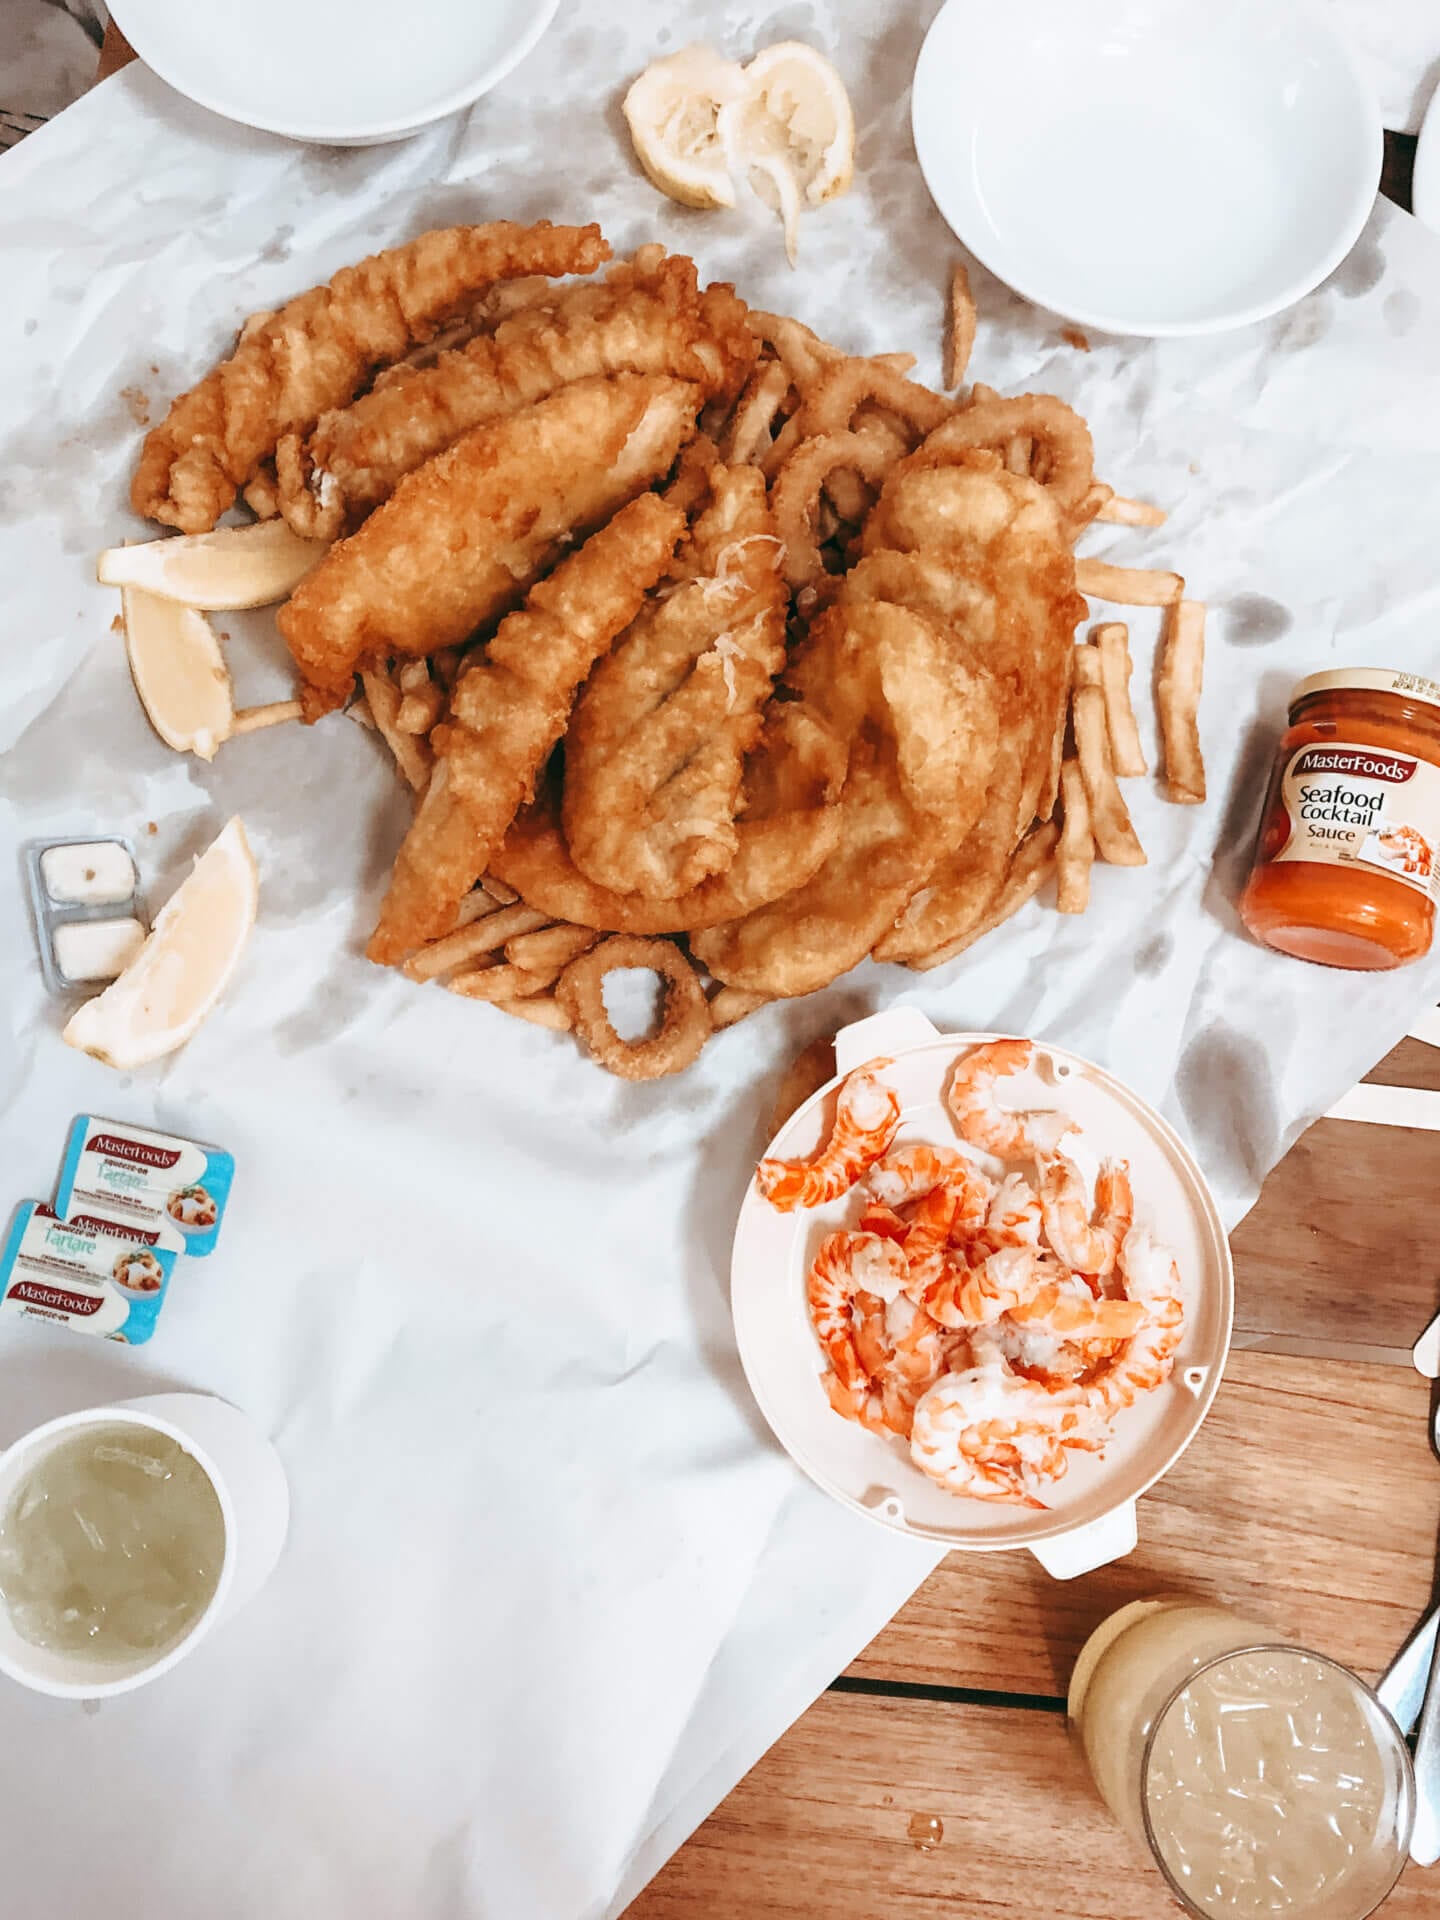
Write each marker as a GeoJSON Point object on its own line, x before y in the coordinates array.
{"type": "Point", "coordinates": [751, 428]}
{"type": "Point", "coordinates": [685, 1023]}
{"type": "Point", "coordinates": [795, 496]}
{"type": "Point", "coordinates": [837, 396]}
{"type": "Point", "coordinates": [1061, 454]}
{"type": "Point", "coordinates": [805, 356]}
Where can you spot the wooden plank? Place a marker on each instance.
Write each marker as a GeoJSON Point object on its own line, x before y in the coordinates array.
{"type": "Point", "coordinates": [1310, 1499]}
{"type": "Point", "coordinates": [1341, 1243]}
{"type": "Point", "coordinates": [117, 52]}
{"type": "Point", "coordinates": [822, 1826]}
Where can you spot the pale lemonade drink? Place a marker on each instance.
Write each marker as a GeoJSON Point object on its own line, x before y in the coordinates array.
{"type": "Point", "coordinates": [111, 1545]}
{"type": "Point", "coordinates": [1265, 1780]}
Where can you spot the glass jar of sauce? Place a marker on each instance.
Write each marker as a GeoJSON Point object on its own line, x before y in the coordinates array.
{"type": "Point", "coordinates": [1348, 860]}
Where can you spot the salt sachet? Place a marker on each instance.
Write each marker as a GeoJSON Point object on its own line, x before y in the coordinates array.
{"type": "Point", "coordinates": [145, 1179]}
{"type": "Point", "coordinates": [95, 1275]}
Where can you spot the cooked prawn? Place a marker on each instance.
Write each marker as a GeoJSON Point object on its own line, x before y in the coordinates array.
{"type": "Point", "coordinates": [867, 1113]}
{"type": "Point", "coordinates": [846, 1265]}
{"type": "Point", "coordinates": [927, 1245]}
{"type": "Point", "coordinates": [1013, 1218]}
{"type": "Point", "coordinates": [1067, 1309]}
{"type": "Point", "coordinates": [878, 1218]}
{"type": "Point", "coordinates": [1146, 1360]}
{"type": "Point", "coordinates": [992, 1434]}
{"type": "Point", "coordinates": [977, 1113]}
{"type": "Point", "coordinates": [966, 1296]}
{"type": "Point", "coordinates": [911, 1171]}
{"type": "Point", "coordinates": [1082, 1244]}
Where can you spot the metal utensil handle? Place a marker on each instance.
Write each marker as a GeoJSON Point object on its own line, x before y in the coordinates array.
{"type": "Point", "coordinates": [1425, 1842]}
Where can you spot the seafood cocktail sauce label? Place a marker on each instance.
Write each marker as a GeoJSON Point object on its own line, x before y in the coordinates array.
{"type": "Point", "coordinates": [96, 1275]}
{"type": "Point", "coordinates": [143, 1179]}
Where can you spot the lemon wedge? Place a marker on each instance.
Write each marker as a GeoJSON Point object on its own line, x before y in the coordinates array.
{"type": "Point", "coordinates": [673, 111]}
{"type": "Point", "coordinates": [791, 132]}
{"type": "Point", "coordinates": [178, 670]}
{"type": "Point", "coordinates": [222, 572]}
{"type": "Point", "coordinates": [160, 999]}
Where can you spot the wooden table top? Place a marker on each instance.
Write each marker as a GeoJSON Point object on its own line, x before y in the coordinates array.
{"type": "Point", "coordinates": [936, 1776]}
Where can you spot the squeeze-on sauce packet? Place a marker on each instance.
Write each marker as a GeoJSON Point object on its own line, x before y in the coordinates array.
{"type": "Point", "coordinates": [146, 1180]}
{"type": "Point", "coordinates": [93, 1274]}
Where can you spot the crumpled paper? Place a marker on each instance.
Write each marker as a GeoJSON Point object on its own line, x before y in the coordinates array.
{"type": "Point", "coordinates": [551, 1586]}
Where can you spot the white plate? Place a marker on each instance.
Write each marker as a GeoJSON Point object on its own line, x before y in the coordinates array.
{"type": "Point", "coordinates": [1147, 166]}
{"type": "Point", "coordinates": [874, 1475]}
{"type": "Point", "coordinates": [343, 72]}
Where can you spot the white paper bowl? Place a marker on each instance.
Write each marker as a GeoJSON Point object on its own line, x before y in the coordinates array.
{"type": "Point", "coordinates": [1091, 1514]}
{"type": "Point", "coordinates": [340, 72]}
{"type": "Point", "coordinates": [1147, 166]}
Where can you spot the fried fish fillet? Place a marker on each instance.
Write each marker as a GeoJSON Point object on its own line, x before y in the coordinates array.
{"type": "Point", "coordinates": [987, 553]}
{"type": "Point", "coordinates": [462, 538]}
{"type": "Point", "coordinates": [322, 348]}
{"type": "Point", "coordinates": [789, 827]}
{"type": "Point", "coordinates": [654, 753]}
{"type": "Point", "coordinates": [920, 728]}
{"type": "Point", "coordinates": [647, 316]}
{"type": "Point", "coordinates": [507, 709]}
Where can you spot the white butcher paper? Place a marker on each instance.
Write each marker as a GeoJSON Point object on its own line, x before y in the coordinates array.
{"type": "Point", "coordinates": [551, 1587]}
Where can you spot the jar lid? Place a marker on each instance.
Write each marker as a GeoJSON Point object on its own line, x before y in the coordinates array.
{"type": "Point", "coordinates": [1413, 686]}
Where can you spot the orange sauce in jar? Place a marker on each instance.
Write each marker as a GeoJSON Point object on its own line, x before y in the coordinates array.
{"type": "Point", "coordinates": [1348, 860]}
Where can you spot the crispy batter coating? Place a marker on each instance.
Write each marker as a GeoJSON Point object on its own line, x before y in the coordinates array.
{"type": "Point", "coordinates": [461, 540]}
{"type": "Point", "coordinates": [508, 708]}
{"type": "Point", "coordinates": [322, 348]}
{"type": "Point", "coordinates": [647, 316]}
{"type": "Point", "coordinates": [654, 753]}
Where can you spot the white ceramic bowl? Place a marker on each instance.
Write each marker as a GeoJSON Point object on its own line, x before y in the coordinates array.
{"type": "Point", "coordinates": [1090, 1518]}
{"type": "Point", "coordinates": [341, 72]}
{"type": "Point", "coordinates": [1147, 166]}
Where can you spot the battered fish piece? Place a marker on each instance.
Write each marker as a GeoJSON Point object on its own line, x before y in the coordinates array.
{"type": "Point", "coordinates": [654, 754]}
{"type": "Point", "coordinates": [920, 728]}
{"type": "Point", "coordinates": [788, 829]}
{"type": "Point", "coordinates": [987, 552]}
{"type": "Point", "coordinates": [647, 316]}
{"type": "Point", "coordinates": [507, 710]}
{"type": "Point", "coordinates": [322, 348]}
{"type": "Point", "coordinates": [462, 539]}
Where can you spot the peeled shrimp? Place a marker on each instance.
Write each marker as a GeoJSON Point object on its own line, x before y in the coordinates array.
{"type": "Point", "coordinates": [915, 1169]}
{"type": "Point", "coordinates": [901, 1353]}
{"type": "Point", "coordinates": [1014, 1218]}
{"type": "Point", "coordinates": [1085, 1245]}
{"type": "Point", "coordinates": [967, 1296]}
{"type": "Point", "coordinates": [977, 1113]}
{"type": "Point", "coordinates": [927, 1244]}
{"type": "Point", "coordinates": [867, 1112]}
{"type": "Point", "coordinates": [878, 1218]}
{"type": "Point", "coordinates": [1152, 1280]}
{"type": "Point", "coordinates": [992, 1434]}
{"type": "Point", "coordinates": [1068, 1310]}
{"type": "Point", "coordinates": [846, 1265]}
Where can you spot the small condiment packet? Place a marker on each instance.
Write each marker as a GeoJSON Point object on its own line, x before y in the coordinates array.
{"type": "Point", "coordinates": [89, 1273]}
{"type": "Point", "coordinates": [147, 1180]}
{"type": "Point", "coordinates": [89, 918]}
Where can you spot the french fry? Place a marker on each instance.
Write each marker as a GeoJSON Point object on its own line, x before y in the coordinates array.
{"type": "Point", "coordinates": [502, 982]}
{"type": "Point", "coordinates": [497, 890]}
{"type": "Point", "coordinates": [1121, 512]}
{"type": "Point", "coordinates": [1085, 666]}
{"type": "Point", "coordinates": [1177, 698]}
{"type": "Point", "coordinates": [418, 711]}
{"type": "Point", "coordinates": [549, 947]}
{"type": "Point", "coordinates": [412, 676]}
{"type": "Point", "coordinates": [412, 755]}
{"type": "Point", "coordinates": [1128, 586]}
{"type": "Point", "coordinates": [252, 719]}
{"type": "Point", "coordinates": [734, 1003]}
{"type": "Point", "coordinates": [1112, 643]}
{"type": "Point", "coordinates": [1075, 850]}
{"type": "Point", "coordinates": [896, 362]}
{"type": "Point", "coordinates": [359, 712]}
{"type": "Point", "coordinates": [1029, 870]}
{"type": "Point", "coordinates": [1109, 816]}
{"type": "Point", "coordinates": [540, 1010]}
{"type": "Point", "coordinates": [960, 340]}
{"type": "Point", "coordinates": [476, 904]}
{"type": "Point", "coordinates": [485, 935]}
